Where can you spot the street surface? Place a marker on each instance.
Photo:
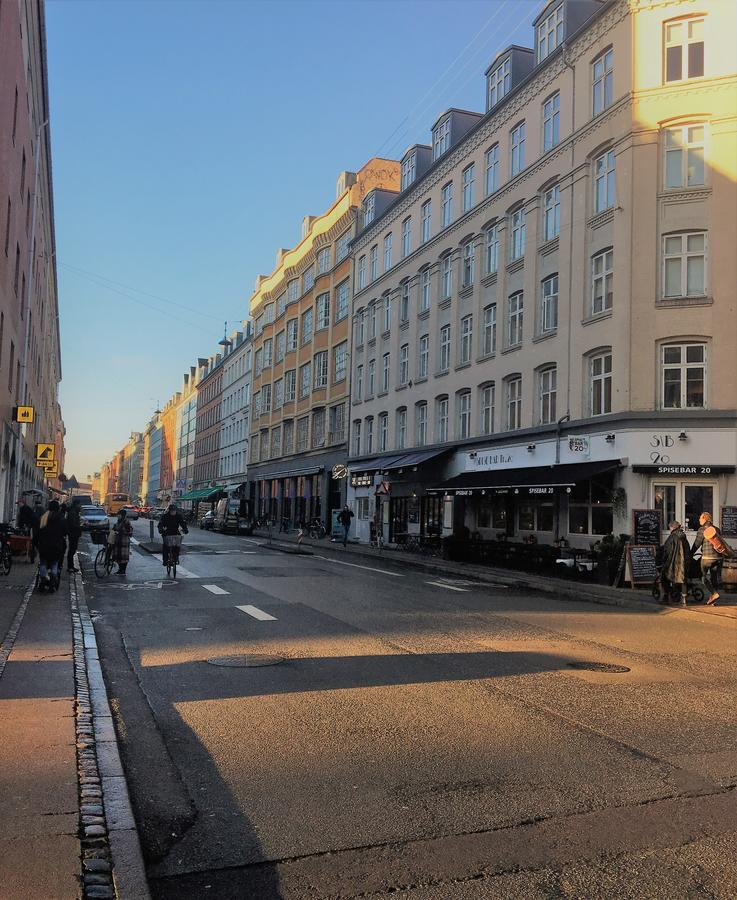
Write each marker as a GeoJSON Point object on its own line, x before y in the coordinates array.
{"type": "Point", "coordinates": [417, 737]}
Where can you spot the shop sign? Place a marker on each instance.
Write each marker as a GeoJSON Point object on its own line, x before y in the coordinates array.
{"type": "Point", "coordinates": [672, 469]}
{"type": "Point", "coordinates": [339, 471]}
{"type": "Point", "coordinates": [580, 446]}
{"type": "Point", "coordinates": [489, 459]}
{"type": "Point", "coordinates": [364, 480]}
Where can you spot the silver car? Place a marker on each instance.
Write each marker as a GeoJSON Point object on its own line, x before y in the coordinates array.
{"type": "Point", "coordinates": [93, 517]}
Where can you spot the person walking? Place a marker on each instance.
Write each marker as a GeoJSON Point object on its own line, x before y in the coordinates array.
{"type": "Point", "coordinates": [709, 540]}
{"type": "Point", "coordinates": [344, 517]}
{"type": "Point", "coordinates": [51, 531]}
{"type": "Point", "coordinates": [63, 512]}
{"type": "Point", "coordinates": [169, 525]}
{"type": "Point", "coordinates": [26, 517]}
{"type": "Point", "coordinates": [74, 530]}
{"type": "Point", "coordinates": [676, 555]}
{"type": "Point", "coordinates": [122, 546]}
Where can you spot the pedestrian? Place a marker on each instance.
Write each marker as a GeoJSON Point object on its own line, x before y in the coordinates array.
{"type": "Point", "coordinates": [344, 517]}
{"type": "Point", "coordinates": [26, 517]}
{"type": "Point", "coordinates": [51, 531]}
{"type": "Point", "coordinates": [676, 555]}
{"type": "Point", "coordinates": [74, 530]}
{"type": "Point", "coordinates": [713, 550]}
{"type": "Point", "coordinates": [63, 513]}
{"type": "Point", "coordinates": [122, 546]}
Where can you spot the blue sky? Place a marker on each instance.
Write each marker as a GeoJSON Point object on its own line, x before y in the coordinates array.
{"type": "Point", "coordinates": [190, 138]}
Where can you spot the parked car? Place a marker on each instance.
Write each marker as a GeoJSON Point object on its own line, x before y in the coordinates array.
{"type": "Point", "coordinates": [157, 513]}
{"type": "Point", "coordinates": [208, 520]}
{"type": "Point", "coordinates": [230, 518]}
{"type": "Point", "coordinates": [93, 517]}
{"type": "Point", "coordinates": [131, 512]}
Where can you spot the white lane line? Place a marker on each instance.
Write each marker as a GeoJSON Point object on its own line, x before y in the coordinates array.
{"type": "Point", "coordinates": [257, 613]}
{"type": "Point", "coordinates": [450, 587]}
{"type": "Point", "coordinates": [339, 562]}
{"type": "Point", "coordinates": [214, 589]}
{"type": "Point", "coordinates": [181, 571]}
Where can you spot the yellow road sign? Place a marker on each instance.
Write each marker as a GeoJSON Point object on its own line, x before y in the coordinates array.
{"type": "Point", "coordinates": [52, 471]}
{"type": "Point", "coordinates": [45, 452]}
{"type": "Point", "coordinates": [24, 414]}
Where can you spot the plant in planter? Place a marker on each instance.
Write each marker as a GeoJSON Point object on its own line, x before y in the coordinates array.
{"type": "Point", "coordinates": [608, 552]}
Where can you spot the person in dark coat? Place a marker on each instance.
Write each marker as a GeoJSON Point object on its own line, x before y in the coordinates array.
{"type": "Point", "coordinates": [51, 533]}
{"type": "Point", "coordinates": [711, 560]}
{"type": "Point", "coordinates": [344, 517]}
{"type": "Point", "coordinates": [74, 528]}
{"type": "Point", "coordinates": [122, 531]}
{"type": "Point", "coordinates": [26, 517]}
{"type": "Point", "coordinates": [676, 555]}
{"type": "Point", "coordinates": [171, 524]}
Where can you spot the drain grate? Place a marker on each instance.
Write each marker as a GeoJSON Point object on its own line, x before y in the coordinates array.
{"type": "Point", "coordinates": [246, 661]}
{"type": "Point", "coordinates": [597, 667]}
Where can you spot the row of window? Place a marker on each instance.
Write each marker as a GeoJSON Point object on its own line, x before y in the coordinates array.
{"type": "Point", "coordinates": [238, 368]}
{"type": "Point", "coordinates": [233, 464]}
{"type": "Point", "coordinates": [234, 432]}
{"type": "Point", "coordinates": [310, 432]}
{"type": "Point", "coordinates": [312, 375]}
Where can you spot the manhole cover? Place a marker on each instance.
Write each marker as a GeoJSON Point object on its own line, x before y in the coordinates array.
{"type": "Point", "coordinates": [246, 661]}
{"type": "Point", "coordinates": [597, 667]}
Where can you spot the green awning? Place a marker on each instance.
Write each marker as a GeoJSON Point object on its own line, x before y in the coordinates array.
{"type": "Point", "coordinates": [201, 494]}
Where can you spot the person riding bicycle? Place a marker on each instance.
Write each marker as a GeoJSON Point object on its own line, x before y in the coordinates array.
{"type": "Point", "coordinates": [169, 525]}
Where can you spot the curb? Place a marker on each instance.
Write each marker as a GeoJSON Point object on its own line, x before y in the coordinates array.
{"type": "Point", "coordinates": [111, 852]}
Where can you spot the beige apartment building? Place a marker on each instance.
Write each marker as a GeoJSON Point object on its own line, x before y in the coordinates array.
{"type": "Point", "coordinates": [300, 383]}
{"type": "Point", "coordinates": [545, 322]}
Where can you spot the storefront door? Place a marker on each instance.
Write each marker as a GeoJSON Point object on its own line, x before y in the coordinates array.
{"type": "Point", "coordinates": [684, 501]}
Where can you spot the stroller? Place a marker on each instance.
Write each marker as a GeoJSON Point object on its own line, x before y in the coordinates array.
{"type": "Point", "coordinates": [694, 586]}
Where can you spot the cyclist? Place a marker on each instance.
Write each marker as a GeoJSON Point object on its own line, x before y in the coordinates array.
{"type": "Point", "coordinates": [169, 525]}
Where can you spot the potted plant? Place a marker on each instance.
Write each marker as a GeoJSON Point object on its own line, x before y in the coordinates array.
{"type": "Point", "coordinates": [608, 553]}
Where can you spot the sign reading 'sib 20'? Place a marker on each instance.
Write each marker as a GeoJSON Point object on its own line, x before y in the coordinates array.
{"type": "Point", "coordinates": [683, 470]}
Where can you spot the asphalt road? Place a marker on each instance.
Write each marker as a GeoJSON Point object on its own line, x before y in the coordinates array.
{"type": "Point", "coordinates": [417, 737]}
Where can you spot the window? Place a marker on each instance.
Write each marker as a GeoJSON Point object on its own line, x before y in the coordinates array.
{"type": "Point", "coordinates": [374, 263]}
{"type": "Point", "coordinates": [372, 322]}
{"type": "Point", "coordinates": [401, 429]}
{"type": "Point", "coordinates": [290, 383]}
{"type": "Point", "coordinates": [293, 291]}
{"type": "Point", "coordinates": [356, 451]}
{"type": "Point", "coordinates": [441, 420]}
{"type": "Point", "coordinates": [441, 139]}
{"type": "Point", "coordinates": [358, 387]}
{"type": "Point", "coordinates": [304, 380]}
{"type": "Point", "coordinates": [287, 437]}
{"type": "Point", "coordinates": [340, 361]}
{"type": "Point", "coordinates": [466, 343]}
{"type": "Point", "coordinates": [383, 432]}
{"type": "Point", "coordinates": [549, 305]}
{"type": "Point", "coordinates": [549, 33]}
{"type": "Point", "coordinates": [492, 169]}
{"type": "Point", "coordinates": [469, 178]}
{"type": "Point", "coordinates": [469, 250]}
{"type": "Point", "coordinates": [547, 393]}
{"type": "Point", "coordinates": [551, 122]}
{"type": "Point", "coordinates": [342, 246]}
{"type": "Point", "coordinates": [269, 313]}
{"type": "Point", "coordinates": [408, 170]}
{"type": "Point", "coordinates": [590, 507]}
{"type": "Point", "coordinates": [423, 356]}
{"type": "Point", "coordinates": [259, 360]}
{"type": "Point", "coordinates": [292, 334]}
{"type": "Point", "coordinates": [486, 421]}
{"type": "Point", "coordinates": [602, 282]}
{"type": "Point", "coordinates": [281, 346]}
{"type": "Point", "coordinates": [387, 251]}
{"type": "Point", "coordinates": [278, 393]}
{"type": "Point", "coordinates": [444, 348]}
{"type": "Point", "coordinates": [684, 265]}
{"type": "Point", "coordinates": [684, 49]}
{"type": "Point", "coordinates": [341, 301]}
{"type": "Point", "coordinates": [360, 327]}
{"type": "Point", "coordinates": [308, 280]}
{"type": "Point", "coordinates": [604, 187]}
{"type": "Point", "coordinates": [425, 221]}
{"type": "Point", "coordinates": [517, 143]}
{"type": "Point", "coordinates": [404, 301]}
{"type": "Point", "coordinates": [684, 376]}
{"type": "Point", "coordinates": [385, 371]}
{"type": "Point", "coordinates": [276, 442]}
{"type": "Point", "coordinates": [387, 314]}
{"type": "Point", "coordinates": [318, 428]}
{"type": "Point", "coordinates": [424, 290]}
{"type": "Point", "coordinates": [337, 423]}
{"type": "Point", "coordinates": [602, 77]}
{"type": "Point", "coordinates": [303, 431]}
{"type": "Point", "coordinates": [421, 424]}
{"type": "Point", "coordinates": [446, 205]}
{"type": "Point", "coordinates": [601, 384]}
{"type": "Point", "coordinates": [369, 209]}
{"type": "Point", "coordinates": [464, 415]}
{"type": "Point", "coordinates": [257, 404]}
{"type": "Point", "coordinates": [404, 364]}
{"type": "Point", "coordinates": [489, 329]}
{"type": "Point", "coordinates": [371, 383]}
{"type": "Point", "coordinates": [492, 249]}
{"type": "Point", "coordinates": [514, 403]}
{"type": "Point", "coordinates": [323, 261]}
{"type": "Point", "coordinates": [361, 272]}
{"type": "Point", "coordinates": [369, 439]}
{"type": "Point", "coordinates": [551, 213]}
{"type": "Point", "coordinates": [307, 326]}
{"type": "Point", "coordinates": [516, 311]}
{"type": "Point", "coordinates": [497, 84]}
{"type": "Point", "coordinates": [268, 352]}
{"type": "Point", "coordinates": [266, 398]}
{"type": "Point", "coordinates": [518, 234]}
{"type": "Point", "coordinates": [406, 236]}
{"type": "Point", "coordinates": [684, 156]}
{"type": "Point", "coordinates": [446, 276]}
{"type": "Point", "coordinates": [322, 308]}
{"type": "Point", "coordinates": [320, 365]}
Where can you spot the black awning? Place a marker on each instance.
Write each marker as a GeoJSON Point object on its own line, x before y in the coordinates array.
{"type": "Point", "coordinates": [377, 464]}
{"type": "Point", "coordinates": [410, 460]}
{"type": "Point", "coordinates": [533, 480]}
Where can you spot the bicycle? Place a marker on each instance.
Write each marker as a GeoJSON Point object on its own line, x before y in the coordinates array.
{"type": "Point", "coordinates": [104, 562]}
{"type": "Point", "coordinates": [316, 530]}
{"type": "Point", "coordinates": [172, 543]}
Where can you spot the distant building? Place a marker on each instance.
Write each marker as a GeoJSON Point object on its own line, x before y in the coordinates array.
{"type": "Point", "coordinates": [207, 441]}
{"type": "Point", "coordinates": [234, 414]}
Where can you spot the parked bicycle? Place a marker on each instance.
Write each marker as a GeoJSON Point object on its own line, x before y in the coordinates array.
{"type": "Point", "coordinates": [104, 560]}
{"type": "Point", "coordinates": [316, 529]}
{"type": "Point", "coordinates": [6, 554]}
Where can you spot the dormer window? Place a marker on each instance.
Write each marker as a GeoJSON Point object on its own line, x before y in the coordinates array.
{"type": "Point", "coordinates": [550, 33]}
{"type": "Point", "coordinates": [441, 139]}
{"type": "Point", "coordinates": [369, 210]}
{"type": "Point", "coordinates": [408, 170]}
{"type": "Point", "coordinates": [497, 84]}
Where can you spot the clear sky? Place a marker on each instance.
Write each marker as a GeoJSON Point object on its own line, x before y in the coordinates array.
{"type": "Point", "coordinates": [190, 138]}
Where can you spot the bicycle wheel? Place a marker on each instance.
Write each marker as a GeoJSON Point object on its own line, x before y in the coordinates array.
{"type": "Point", "coordinates": [109, 564]}
{"type": "Point", "coordinates": [101, 563]}
{"type": "Point", "coordinates": [6, 561]}
{"type": "Point", "coordinates": [174, 569]}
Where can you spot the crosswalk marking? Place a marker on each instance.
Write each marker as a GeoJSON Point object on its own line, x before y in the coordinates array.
{"type": "Point", "coordinates": [214, 589]}
{"type": "Point", "coordinates": [256, 613]}
{"type": "Point", "coordinates": [450, 587]}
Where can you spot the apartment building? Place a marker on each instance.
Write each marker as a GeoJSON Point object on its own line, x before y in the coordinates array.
{"type": "Point", "coordinates": [544, 325]}
{"type": "Point", "coordinates": [301, 316]}
{"type": "Point", "coordinates": [30, 357]}
{"type": "Point", "coordinates": [186, 431]}
{"type": "Point", "coordinates": [207, 437]}
{"type": "Point", "coordinates": [234, 418]}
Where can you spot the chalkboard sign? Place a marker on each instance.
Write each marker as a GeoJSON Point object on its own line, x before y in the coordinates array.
{"type": "Point", "coordinates": [641, 564]}
{"type": "Point", "coordinates": [729, 520]}
{"type": "Point", "coordinates": [647, 526]}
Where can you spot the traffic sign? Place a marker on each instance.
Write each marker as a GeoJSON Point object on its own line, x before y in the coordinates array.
{"type": "Point", "coordinates": [23, 414]}
{"type": "Point", "coordinates": [45, 452]}
{"type": "Point", "coordinates": [52, 471]}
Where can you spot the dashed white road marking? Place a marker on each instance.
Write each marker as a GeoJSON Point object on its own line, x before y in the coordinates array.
{"type": "Point", "coordinates": [181, 571]}
{"type": "Point", "coordinates": [257, 613]}
{"type": "Point", "coordinates": [214, 589]}
{"type": "Point", "coordinates": [450, 587]}
{"type": "Point", "coordinates": [339, 562]}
